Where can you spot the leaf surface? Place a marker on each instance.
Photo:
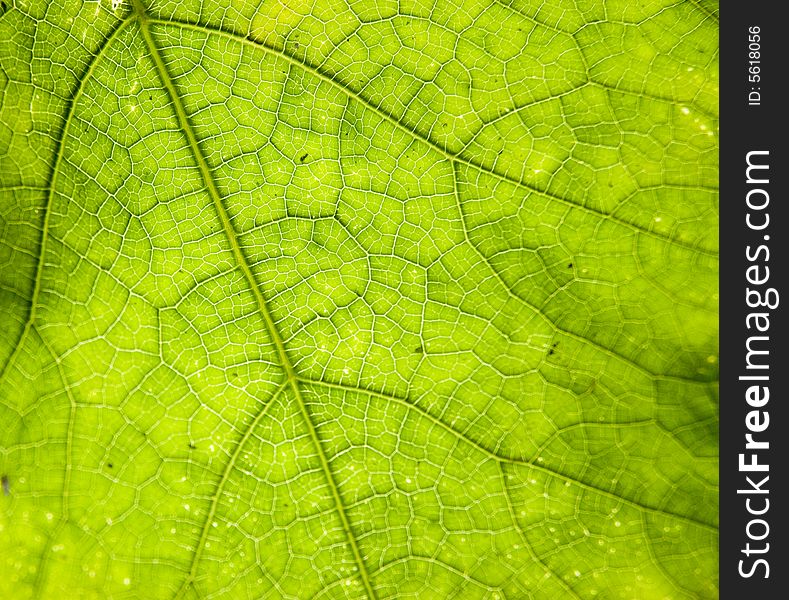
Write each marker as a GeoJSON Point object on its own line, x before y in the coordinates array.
{"type": "Point", "coordinates": [358, 299]}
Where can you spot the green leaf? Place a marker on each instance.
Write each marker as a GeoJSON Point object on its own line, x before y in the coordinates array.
{"type": "Point", "coordinates": [362, 298]}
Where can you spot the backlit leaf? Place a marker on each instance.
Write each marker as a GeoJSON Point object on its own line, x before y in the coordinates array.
{"type": "Point", "coordinates": [358, 299]}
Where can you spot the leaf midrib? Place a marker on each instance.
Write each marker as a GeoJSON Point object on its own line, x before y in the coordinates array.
{"type": "Point", "coordinates": [263, 309]}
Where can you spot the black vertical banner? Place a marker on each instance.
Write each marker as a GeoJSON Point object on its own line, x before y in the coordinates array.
{"type": "Point", "coordinates": [754, 544]}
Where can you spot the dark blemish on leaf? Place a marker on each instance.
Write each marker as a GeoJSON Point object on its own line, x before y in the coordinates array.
{"type": "Point", "coordinates": [6, 483]}
{"type": "Point", "coordinates": [234, 373]}
{"type": "Point", "coordinates": [550, 352]}
{"type": "Point", "coordinates": [570, 266]}
{"type": "Point", "coordinates": [109, 465]}
{"type": "Point", "coordinates": [192, 446]}
{"type": "Point", "coordinates": [419, 350]}
{"type": "Point", "coordinates": [303, 157]}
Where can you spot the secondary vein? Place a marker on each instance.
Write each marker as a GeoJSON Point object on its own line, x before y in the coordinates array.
{"type": "Point", "coordinates": [436, 147]}
{"type": "Point", "coordinates": [50, 192]}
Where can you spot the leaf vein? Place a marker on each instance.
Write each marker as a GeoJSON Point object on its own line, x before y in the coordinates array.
{"type": "Point", "coordinates": [49, 189]}
{"type": "Point", "coordinates": [244, 265]}
{"type": "Point", "coordinates": [512, 460]}
{"type": "Point", "coordinates": [447, 154]}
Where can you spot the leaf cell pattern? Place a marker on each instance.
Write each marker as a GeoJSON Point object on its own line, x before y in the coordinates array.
{"type": "Point", "coordinates": [357, 299]}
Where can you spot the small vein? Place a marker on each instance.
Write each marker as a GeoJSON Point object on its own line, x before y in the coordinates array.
{"type": "Point", "coordinates": [658, 564]}
{"type": "Point", "coordinates": [612, 89]}
{"type": "Point", "coordinates": [704, 10]}
{"type": "Point", "coordinates": [522, 535]}
{"type": "Point", "coordinates": [435, 561]}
